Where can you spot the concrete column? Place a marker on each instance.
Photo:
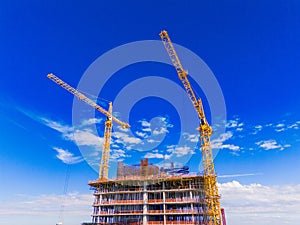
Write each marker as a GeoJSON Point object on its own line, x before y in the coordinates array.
{"type": "Point", "coordinates": [164, 202]}
{"type": "Point", "coordinates": [192, 204]}
{"type": "Point", "coordinates": [100, 199]}
{"type": "Point", "coordinates": [145, 198]}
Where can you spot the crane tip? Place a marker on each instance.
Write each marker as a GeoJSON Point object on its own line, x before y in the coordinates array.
{"type": "Point", "coordinates": [163, 32]}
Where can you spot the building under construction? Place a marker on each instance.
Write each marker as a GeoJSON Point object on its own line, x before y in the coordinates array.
{"type": "Point", "coordinates": [144, 194]}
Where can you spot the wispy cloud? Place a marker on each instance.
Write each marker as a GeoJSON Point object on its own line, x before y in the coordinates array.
{"type": "Point", "coordinates": [158, 126]}
{"type": "Point", "coordinates": [280, 127]}
{"type": "Point", "coordinates": [218, 143]}
{"type": "Point", "coordinates": [235, 124]}
{"type": "Point", "coordinates": [260, 204]}
{"type": "Point", "coordinates": [67, 157]}
{"type": "Point", "coordinates": [232, 123]}
{"type": "Point", "coordinates": [238, 175]}
{"type": "Point", "coordinates": [145, 125]}
{"type": "Point", "coordinates": [246, 136]}
{"type": "Point", "coordinates": [160, 130]}
{"type": "Point", "coordinates": [74, 204]}
{"type": "Point", "coordinates": [156, 155]}
{"type": "Point", "coordinates": [92, 121]}
{"type": "Point", "coordinates": [256, 129]}
{"type": "Point", "coordinates": [81, 136]}
{"type": "Point", "coordinates": [117, 154]}
{"type": "Point", "coordinates": [62, 128]}
{"type": "Point", "coordinates": [85, 137]}
{"type": "Point", "coordinates": [191, 137]}
{"type": "Point", "coordinates": [125, 138]}
{"type": "Point", "coordinates": [271, 144]}
{"type": "Point", "coordinates": [293, 126]}
{"type": "Point", "coordinates": [180, 151]}
{"type": "Point", "coordinates": [141, 134]}
{"type": "Point", "coordinates": [147, 136]}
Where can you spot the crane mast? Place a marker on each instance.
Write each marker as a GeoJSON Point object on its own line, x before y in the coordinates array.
{"type": "Point", "coordinates": [213, 210]}
{"type": "Point", "coordinates": [103, 171]}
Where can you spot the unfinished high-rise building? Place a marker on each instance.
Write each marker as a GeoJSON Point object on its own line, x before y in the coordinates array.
{"type": "Point", "coordinates": [145, 195]}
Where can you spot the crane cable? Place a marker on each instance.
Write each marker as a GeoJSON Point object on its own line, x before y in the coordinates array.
{"type": "Point", "coordinates": [94, 97]}
{"type": "Point", "coordinates": [65, 190]}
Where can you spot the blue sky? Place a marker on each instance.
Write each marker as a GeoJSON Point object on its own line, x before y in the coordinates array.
{"type": "Point", "coordinates": [252, 49]}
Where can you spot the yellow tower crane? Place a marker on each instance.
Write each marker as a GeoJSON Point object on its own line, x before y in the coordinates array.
{"type": "Point", "coordinates": [213, 210]}
{"type": "Point", "coordinates": [103, 172]}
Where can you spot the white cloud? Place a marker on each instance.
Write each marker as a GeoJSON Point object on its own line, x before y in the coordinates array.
{"type": "Point", "coordinates": [269, 144]}
{"type": "Point", "coordinates": [161, 130]}
{"type": "Point", "coordinates": [67, 157]}
{"type": "Point", "coordinates": [162, 126]}
{"type": "Point", "coordinates": [258, 127]}
{"type": "Point", "coordinates": [230, 147]}
{"type": "Point", "coordinates": [48, 205]}
{"type": "Point", "coordinates": [85, 137]}
{"type": "Point", "coordinates": [91, 121]}
{"type": "Point", "coordinates": [82, 137]}
{"type": "Point", "coordinates": [141, 134]}
{"type": "Point", "coordinates": [180, 151]}
{"type": "Point", "coordinates": [232, 124]}
{"type": "Point", "coordinates": [218, 143]}
{"type": "Point", "coordinates": [237, 175]}
{"type": "Point", "coordinates": [191, 137]}
{"type": "Point", "coordinates": [146, 129]}
{"type": "Point", "coordinates": [57, 126]}
{"type": "Point", "coordinates": [117, 154]}
{"type": "Point", "coordinates": [155, 155]}
{"type": "Point", "coordinates": [293, 126]}
{"type": "Point", "coordinates": [224, 137]}
{"type": "Point", "coordinates": [170, 148]}
{"type": "Point", "coordinates": [151, 140]}
{"type": "Point", "coordinates": [280, 125]}
{"type": "Point", "coordinates": [125, 138]}
{"type": "Point", "coordinates": [145, 126]}
{"type": "Point", "coordinates": [280, 130]}
{"type": "Point", "coordinates": [261, 205]}
{"type": "Point", "coordinates": [145, 123]}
